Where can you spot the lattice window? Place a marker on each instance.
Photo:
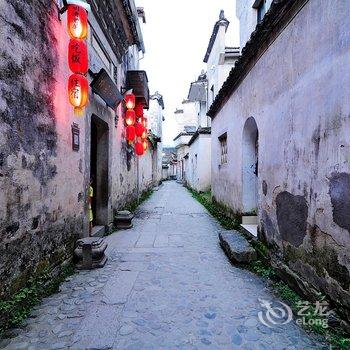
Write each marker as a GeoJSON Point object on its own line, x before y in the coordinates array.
{"type": "Point", "coordinates": [223, 148]}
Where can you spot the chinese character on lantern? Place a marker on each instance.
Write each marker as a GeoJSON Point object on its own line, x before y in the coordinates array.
{"type": "Point", "coordinates": [78, 56]}
{"type": "Point", "coordinates": [78, 61]}
{"type": "Point", "coordinates": [77, 22]}
{"type": "Point", "coordinates": [78, 91]}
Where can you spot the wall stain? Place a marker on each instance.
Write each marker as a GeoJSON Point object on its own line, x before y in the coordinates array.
{"type": "Point", "coordinates": [292, 212]}
{"type": "Point", "coordinates": [264, 187]}
{"type": "Point", "coordinates": [339, 191]}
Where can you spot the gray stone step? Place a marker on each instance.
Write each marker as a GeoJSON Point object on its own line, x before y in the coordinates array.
{"type": "Point", "coordinates": [98, 231]}
{"type": "Point", "coordinates": [236, 247]}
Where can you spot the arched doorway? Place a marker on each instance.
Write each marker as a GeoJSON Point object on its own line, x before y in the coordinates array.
{"type": "Point", "coordinates": [250, 166]}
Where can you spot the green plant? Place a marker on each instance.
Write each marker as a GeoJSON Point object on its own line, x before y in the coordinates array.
{"type": "Point", "coordinates": [133, 205]}
{"type": "Point", "coordinates": [262, 269]}
{"type": "Point", "coordinates": [17, 307]}
{"type": "Point", "coordinates": [216, 210]}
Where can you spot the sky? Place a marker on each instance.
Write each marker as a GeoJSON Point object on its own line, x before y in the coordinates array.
{"type": "Point", "coordinates": [176, 36]}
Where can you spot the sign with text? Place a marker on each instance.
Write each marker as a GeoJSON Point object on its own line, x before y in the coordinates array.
{"type": "Point", "coordinates": [105, 87]}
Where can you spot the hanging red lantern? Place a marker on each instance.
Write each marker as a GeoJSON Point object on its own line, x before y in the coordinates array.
{"type": "Point", "coordinates": [139, 148]}
{"type": "Point", "coordinates": [130, 101]}
{"type": "Point", "coordinates": [130, 133]}
{"type": "Point", "coordinates": [145, 145]}
{"type": "Point", "coordinates": [130, 117]}
{"type": "Point", "coordinates": [77, 22]}
{"type": "Point", "coordinates": [144, 122]}
{"type": "Point", "coordinates": [139, 129]}
{"type": "Point", "coordinates": [144, 134]}
{"type": "Point", "coordinates": [139, 110]}
{"type": "Point", "coordinates": [78, 56]}
{"type": "Point", "coordinates": [78, 91]}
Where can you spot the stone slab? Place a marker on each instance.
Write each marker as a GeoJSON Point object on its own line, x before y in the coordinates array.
{"type": "Point", "coordinates": [161, 240]}
{"type": "Point", "coordinates": [119, 287]}
{"type": "Point", "coordinates": [99, 328]}
{"type": "Point", "coordinates": [236, 247]}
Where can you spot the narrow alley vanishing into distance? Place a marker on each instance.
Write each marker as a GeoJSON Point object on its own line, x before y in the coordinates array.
{"type": "Point", "coordinates": [167, 285]}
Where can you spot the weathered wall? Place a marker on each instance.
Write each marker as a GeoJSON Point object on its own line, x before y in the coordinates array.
{"type": "Point", "coordinates": [122, 171]}
{"type": "Point", "coordinates": [43, 182]}
{"type": "Point", "coordinates": [41, 178]}
{"type": "Point", "coordinates": [301, 106]}
{"type": "Point", "coordinates": [145, 170]}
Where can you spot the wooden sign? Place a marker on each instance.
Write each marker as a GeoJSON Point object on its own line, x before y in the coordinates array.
{"type": "Point", "coordinates": [105, 87]}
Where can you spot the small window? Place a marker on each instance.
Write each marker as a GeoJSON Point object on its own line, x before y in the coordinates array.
{"type": "Point", "coordinates": [223, 148]}
{"type": "Point", "coordinates": [262, 9]}
{"type": "Point", "coordinates": [212, 93]}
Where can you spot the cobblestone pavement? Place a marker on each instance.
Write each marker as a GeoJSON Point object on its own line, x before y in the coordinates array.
{"type": "Point", "coordinates": [167, 285]}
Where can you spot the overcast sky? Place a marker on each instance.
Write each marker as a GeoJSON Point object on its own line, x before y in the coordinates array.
{"type": "Point", "coordinates": [176, 37]}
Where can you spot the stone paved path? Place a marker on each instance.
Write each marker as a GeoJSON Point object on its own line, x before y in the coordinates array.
{"type": "Point", "coordinates": [167, 285]}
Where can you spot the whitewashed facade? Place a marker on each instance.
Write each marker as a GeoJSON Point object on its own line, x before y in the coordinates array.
{"type": "Point", "coordinates": [220, 60]}
{"type": "Point", "coordinates": [280, 144]}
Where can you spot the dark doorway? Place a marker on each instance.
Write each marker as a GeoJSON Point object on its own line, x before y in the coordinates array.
{"type": "Point", "coordinates": [99, 170]}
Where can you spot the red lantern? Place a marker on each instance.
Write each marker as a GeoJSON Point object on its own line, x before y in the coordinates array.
{"type": "Point", "coordinates": [139, 110]}
{"type": "Point", "coordinates": [77, 22]}
{"type": "Point", "coordinates": [145, 145]}
{"type": "Point", "coordinates": [78, 91]}
{"type": "Point", "coordinates": [130, 117]}
{"type": "Point", "coordinates": [78, 56]}
{"type": "Point", "coordinates": [144, 122]}
{"type": "Point", "coordinates": [139, 148]}
{"type": "Point", "coordinates": [130, 101]}
{"type": "Point", "coordinates": [130, 133]}
{"type": "Point", "coordinates": [139, 129]}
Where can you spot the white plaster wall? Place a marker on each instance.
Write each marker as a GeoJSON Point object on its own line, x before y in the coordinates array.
{"type": "Point", "coordinates": [213, 69]}
{"type": "Point", "coordinates": [155, 114]}
{"type": "Point", "coordinates": [193, 173]}
{"type": "Point", "coordinates": [145, 170]}
{"type": "Point", "coordinates": [188, 117]}
{"type": "Point", "coordinates": [204, 162]}
{"type": "Point", "coordinates": [302, 117]}
{"type": "Point", "coordinates": [199, 175]}
{"type": "Point", "coordinates": [181, 162]}
{"type": "Point", "coordinates": [247, 16]}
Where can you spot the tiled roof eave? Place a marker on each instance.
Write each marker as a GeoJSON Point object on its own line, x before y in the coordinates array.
{"type": "Point", "coordinates": [275, 20]}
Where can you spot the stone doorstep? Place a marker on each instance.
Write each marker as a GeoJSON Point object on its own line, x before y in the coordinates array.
{"type": "Point", "coordinates": [252, 230]}
{"type": "Point", "coordinates": [237, 247]}
{"type": "Point", "coordinates": [98, 231]}
{"type": "Point", "coordinates": [249, 220]}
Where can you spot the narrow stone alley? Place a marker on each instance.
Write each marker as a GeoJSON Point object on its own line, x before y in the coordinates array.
{"type": "Point", "coordinates": [167, 285]}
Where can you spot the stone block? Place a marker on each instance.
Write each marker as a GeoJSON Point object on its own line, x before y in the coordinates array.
{"type": "Point", "coordinates": [90, 253]}
{"type": "Point", "coordinates": [237, 248]}
{"type": "Point", "coordinates": [123, 219]}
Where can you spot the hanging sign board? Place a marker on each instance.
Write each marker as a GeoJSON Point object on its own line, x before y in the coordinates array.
{"type": "Point", "coordinates": [105, 87]}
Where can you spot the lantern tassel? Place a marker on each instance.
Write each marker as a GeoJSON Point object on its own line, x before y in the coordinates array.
{"type": "Point", "coordinates": [79, 111]}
